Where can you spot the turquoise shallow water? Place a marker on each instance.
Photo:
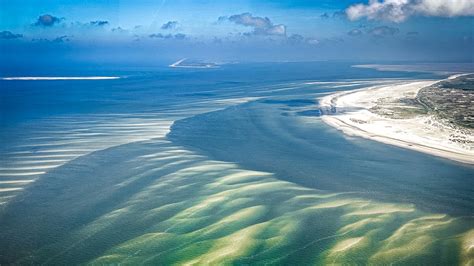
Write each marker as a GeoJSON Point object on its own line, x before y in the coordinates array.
{"type": "Point", "coordinates": [230, 166]}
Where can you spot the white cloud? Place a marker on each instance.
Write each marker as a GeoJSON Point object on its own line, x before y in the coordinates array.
{"type": "Point", "coordinates": [260, 25]}
{"type": "Point", "coordinates": [400, 10]}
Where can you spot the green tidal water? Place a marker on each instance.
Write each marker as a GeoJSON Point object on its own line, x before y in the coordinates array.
{"type": "Point", "coordinates": [248, 174]}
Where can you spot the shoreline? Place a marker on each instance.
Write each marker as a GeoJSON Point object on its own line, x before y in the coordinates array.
{"type": "Point", "coordinates": [349, 112]}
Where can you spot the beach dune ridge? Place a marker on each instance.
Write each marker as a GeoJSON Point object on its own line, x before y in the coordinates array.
{"type": "Point", "coordinates": [358, 113]}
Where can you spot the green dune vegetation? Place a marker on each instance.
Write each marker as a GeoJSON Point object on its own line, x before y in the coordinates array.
{"type": "Point", "coordinates": [174, 206]}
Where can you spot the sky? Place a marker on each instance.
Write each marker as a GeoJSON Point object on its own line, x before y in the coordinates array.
{"type": "Point", "coordinates": [36, 32]}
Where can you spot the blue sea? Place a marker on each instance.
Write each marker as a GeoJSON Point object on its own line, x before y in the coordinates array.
{"type": "Point", "coordinates": [219, 166]}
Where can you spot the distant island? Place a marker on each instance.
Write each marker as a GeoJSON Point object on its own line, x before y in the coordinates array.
{"type": "Point", "coordinates": [184, 63]}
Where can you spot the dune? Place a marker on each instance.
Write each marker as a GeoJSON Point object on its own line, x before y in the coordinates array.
{"type": "Point", "coordinates": [352, 113]}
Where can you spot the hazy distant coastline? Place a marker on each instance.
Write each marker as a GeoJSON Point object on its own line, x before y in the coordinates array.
{"type": "Point", "coordinates": [438, 68]}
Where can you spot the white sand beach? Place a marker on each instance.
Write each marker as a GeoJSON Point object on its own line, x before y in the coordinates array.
{"type": "Point", "coordinates": [59, 78]}
{"type": "Point", "coordinates": [352, 114]}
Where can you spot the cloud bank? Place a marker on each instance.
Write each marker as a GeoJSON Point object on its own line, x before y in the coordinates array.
{"type": "Point", "coordinates": [178, 36]}
{"type": "Point", "coordinates": [47, 20]}
{"type": "Point", "coordinates": [99, 23]}
{"type": "Point", "coordinates": [59, 39]}
{"type": "Point", "coordinates": [400, 10]}
{"type": "Point", "coordinates": [260, 25]}
{"type": "Point", "coordinates": [8, 35]}
{"type": "Point", "coordinates": [355, 32]}
{"type": "Point", "coordinates": [383, 31]}
{"type": "Point", "coordinates": [169, 25]}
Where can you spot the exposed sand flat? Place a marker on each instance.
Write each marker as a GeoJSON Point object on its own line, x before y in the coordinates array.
{"type": "Point", "coordinates": [422, 132]}
{"type": "Point", "coordinates": [10, 189]}
{"type": "Point", "coordinates": [21, 173]}
{"type": "Point", "coordinates": [59, 78]}
{"type": "Point", "coordinates": [17, 181]}
{"type": "Point", "coordinates": [28, 168]}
